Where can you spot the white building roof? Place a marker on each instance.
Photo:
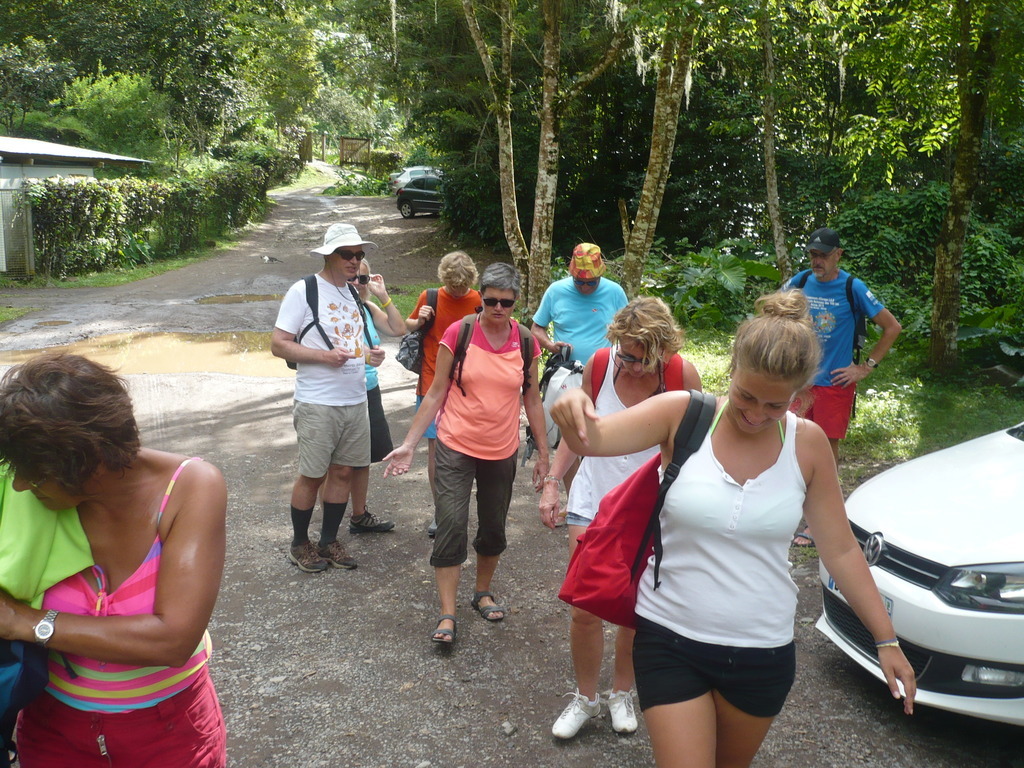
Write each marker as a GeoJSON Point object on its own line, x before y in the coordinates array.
{"type": "Point", "coordinates": [21, 150]}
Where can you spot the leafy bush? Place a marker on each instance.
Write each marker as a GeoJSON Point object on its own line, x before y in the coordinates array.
{"type": "Point", "coordinates": [357, 184]}
{"type": "Point", "coordinates": [121, 113]}
{"type": "Point", "coordinates": [712, 287]}
{"type": "Point", "coordinates": [279, 165]}
{"type": "Point", "coordinates": [383, 162]}
{"type": "Point", "coordinates": [85, 225]}
{"type": "Point", "coordinates": [471, 205]}
{"type": "Point", "coordinates": [889, 242]}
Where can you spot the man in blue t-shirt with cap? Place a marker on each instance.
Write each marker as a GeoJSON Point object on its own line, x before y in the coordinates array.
{"type": "Point", "coordinates": [836, 302]}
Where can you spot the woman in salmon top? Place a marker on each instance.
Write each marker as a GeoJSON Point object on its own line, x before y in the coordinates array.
{"type": "Point", "coordinates": [129, 684]}
{"type": "Point", "coordinates": [479, 398]}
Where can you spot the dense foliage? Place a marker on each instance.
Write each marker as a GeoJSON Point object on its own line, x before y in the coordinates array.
{"type": "Point", "coordinates": [86, 225]}
{"type": "Point", "coordinates": [866, 123]}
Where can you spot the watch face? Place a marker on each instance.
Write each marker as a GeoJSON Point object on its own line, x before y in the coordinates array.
{"type": "Point", "coordinates": [44, 630]}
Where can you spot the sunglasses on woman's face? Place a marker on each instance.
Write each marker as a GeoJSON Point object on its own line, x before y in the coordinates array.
{"type": "Point", "coordinates": [361, 279]}
{"type": "Point", "coordinates": [625, 359]}
{"type": "Point", "coordinates": [506, 303]}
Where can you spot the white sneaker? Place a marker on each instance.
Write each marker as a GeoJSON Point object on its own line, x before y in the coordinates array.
{"type": "Point", "coordinates": [620, 705]}
{"type": "Point", "coordinates": [575, 715]}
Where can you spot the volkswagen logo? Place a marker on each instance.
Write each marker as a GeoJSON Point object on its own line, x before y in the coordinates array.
{"type": "Point", "coordinates": [874, 547]}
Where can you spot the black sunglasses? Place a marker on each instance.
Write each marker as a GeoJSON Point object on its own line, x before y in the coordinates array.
{"type": "Point", "coordinates": [506, 303]}
{"type": "Point", "coordinates": [361, 279]}
{"type": "Point", "coordinates": [349, 255]}
{"type": "Point", "coordinates": [590, 283]}
{"type": "Point", "coordinates": [629, 359]}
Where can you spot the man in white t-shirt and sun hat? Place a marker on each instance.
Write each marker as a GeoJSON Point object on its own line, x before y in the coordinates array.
{"type": "Point", "coordinates": [330, 414]}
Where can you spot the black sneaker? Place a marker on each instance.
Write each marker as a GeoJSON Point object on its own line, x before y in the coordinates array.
{"type": "Point", "coordinates": [368, 523]}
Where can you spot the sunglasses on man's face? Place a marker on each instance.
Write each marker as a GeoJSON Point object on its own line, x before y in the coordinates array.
{"type": "Point", "coordinates": [588, 283]}
{"type": "Point", "coordinates": [506, 303]}
{"type": "Point", "coordinates": [361, 279]}
{"type": "Point", "coordinates": [349, 255]}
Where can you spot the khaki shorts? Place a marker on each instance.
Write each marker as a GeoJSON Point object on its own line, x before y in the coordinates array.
{"type": "Point", "coordinates": [331, 434]}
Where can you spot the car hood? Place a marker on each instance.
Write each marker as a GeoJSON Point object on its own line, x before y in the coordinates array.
{"type": "Point", "coordinates": [959, 506]}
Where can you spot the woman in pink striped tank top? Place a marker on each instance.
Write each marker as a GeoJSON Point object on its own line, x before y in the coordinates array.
{"type": "Point", "coordinates": [129, 683]}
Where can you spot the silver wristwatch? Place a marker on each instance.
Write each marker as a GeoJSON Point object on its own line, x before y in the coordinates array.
{"type": "Point", "coordinates": [44, 629]}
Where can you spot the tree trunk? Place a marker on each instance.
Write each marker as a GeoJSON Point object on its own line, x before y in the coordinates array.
{"type": "Point", "coordinates": [974, 79]}
{"type": "Point", "coordinates": [546, 191]}
{"type": "Point", "coordinates": [672, 72]}
{"type": "Point", "coordinates": [501, 91]}
{"type": "Point", "coordinates": [771, 179]}
{"type": "Point", "coordinates": [549, 149]}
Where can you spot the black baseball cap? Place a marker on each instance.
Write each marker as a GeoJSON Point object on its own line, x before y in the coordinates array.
{"type": "Point", "coordinates": [825, 240]}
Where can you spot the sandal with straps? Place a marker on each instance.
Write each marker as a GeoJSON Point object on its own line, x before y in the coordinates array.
{"type": "Point", "coordinates": [447, 635]}
{"type": "Point", "coordinates": [487, 610]}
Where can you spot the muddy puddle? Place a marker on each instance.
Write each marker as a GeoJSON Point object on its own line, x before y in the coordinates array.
{"type": "Point", "coordinates": [239, 353]}
{"type": "Point", "coordinates": [240, 298]}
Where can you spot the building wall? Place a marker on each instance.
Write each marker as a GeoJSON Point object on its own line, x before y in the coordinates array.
{"type": "Point", "coordinates": [12, 174]}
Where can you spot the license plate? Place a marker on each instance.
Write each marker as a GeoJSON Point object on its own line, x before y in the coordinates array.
{"type": "Point", "coordinates": [887, 602]}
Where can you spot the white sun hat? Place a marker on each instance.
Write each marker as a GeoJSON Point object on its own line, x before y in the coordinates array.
{"type": "Point", "coordinates": [341, 236]}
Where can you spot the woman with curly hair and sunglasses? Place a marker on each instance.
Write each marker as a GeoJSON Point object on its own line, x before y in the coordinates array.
{"type": "Point", "coordinates": [643, 361]}
{"type": "Point", "coordinates": [129, 681]}
{"type": "Point", "coordinates": [479, 397]}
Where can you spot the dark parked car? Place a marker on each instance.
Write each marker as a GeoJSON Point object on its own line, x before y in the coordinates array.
{"type": "Point", "coordinates": [421, 195]}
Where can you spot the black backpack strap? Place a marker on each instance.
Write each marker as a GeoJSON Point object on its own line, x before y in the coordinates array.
{"type": "Point", "coordinates": [313, 300]}
{"type": "Point", "coordinates": [689, 435]}
{"type": "Point", "coordinates": [526, 348]}
{"type": "Point", "coordinates": [800, 279]}
{"type": "Point", "coordinates": [432, 303]}
{"type": "Point", "coordinates": [461, 346]}
{"type": "Point", "coordinates": [363, 314]}
{"type": "Point", "coordinates": [860, 331]}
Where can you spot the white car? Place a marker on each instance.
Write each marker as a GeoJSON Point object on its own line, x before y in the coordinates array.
{"type": "Point", "coordinates": [399, 180]}
{"type": "Point", "coordinates": [944, 536]}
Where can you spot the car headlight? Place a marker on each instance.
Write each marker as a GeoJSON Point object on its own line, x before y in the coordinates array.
{"type": "Point", "coordinates": [996, 587]}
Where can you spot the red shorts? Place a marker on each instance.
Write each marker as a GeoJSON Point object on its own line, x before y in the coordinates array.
{"type": "Point", "coordinates": [830, 408]}
{"type": "Point", "coordinates": [184, 730]}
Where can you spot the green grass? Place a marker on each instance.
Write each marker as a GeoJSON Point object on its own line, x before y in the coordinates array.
{"type": "Point", "coordinates": [311, 176]}
{"type": "Point", "coordinates": [13, 313]}
{"type": "Point", "coordinates": [406, 296]}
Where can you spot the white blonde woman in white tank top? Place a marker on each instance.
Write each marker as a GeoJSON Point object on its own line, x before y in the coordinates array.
{"type": "Point", "coordinates": [713, 653]}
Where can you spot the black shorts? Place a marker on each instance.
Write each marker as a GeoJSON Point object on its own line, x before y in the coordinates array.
{"type": "Point", "coordinates": [671, 668]}
{"type": "Point", "coordinates": [380, 433]}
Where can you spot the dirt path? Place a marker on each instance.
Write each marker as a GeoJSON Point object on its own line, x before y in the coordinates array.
{"type": "Point", "coordinates": [335, 669]}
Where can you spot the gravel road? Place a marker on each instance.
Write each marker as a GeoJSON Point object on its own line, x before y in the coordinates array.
{"type": "Point", "coordinates": [335, 669]}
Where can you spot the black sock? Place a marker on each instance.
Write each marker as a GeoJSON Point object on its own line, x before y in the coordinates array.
{"type": "Point", "coordinates": [300, 525]}
{"type": "Point", "coordinates": [333, 514]}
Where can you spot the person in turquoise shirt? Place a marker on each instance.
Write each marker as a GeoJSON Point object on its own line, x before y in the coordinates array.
{"type": "Point", "coordinates": [580, 306]}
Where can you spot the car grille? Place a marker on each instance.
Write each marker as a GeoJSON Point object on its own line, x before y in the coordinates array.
{"type": "Point", "coordinates": [935, 671]}
{"type": "Point", "coordinates": [845, 622]}
{"type": "Point", "coordinates": [905, 565]}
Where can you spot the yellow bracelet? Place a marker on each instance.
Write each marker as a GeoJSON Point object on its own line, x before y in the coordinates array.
{"type": "Point", "coordinates": [387, 303]}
